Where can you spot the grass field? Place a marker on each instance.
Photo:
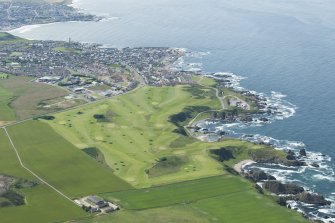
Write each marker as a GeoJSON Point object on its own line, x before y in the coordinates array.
{"type": "Point", "coordinates": [60, 163]}
{"type": "Point", "coordinates": [217, 199]}
{"type": "Point", "coordinates": [41, 200]}
{"type": "Point", "coordinates": [136, 133]}
{"type": "Point", "coordinates": [172, 214]}
{"type": "Point", "coordinates": [179, 193]}
{"type": "Point", "coordinates": [19, 97]}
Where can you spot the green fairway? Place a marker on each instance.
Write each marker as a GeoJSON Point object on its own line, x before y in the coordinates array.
{"type": "Point", "coordinates": [20, 97]}
{"type": "Point", "coordinates": [133, 132]}
{"type": "Point", "coordinates": [41, 200]}
{"type": "Point", "coordinates": [136, 132]}
{"type": "Point", "coordinates": [60, 163]}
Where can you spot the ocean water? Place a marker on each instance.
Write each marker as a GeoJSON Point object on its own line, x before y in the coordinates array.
{"type": "Point", "coordinates": [284, 49]}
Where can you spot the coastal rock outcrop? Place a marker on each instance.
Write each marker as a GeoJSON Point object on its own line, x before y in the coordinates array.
{"type": "Point", "coordinates": [312, 199]}
{"type": "Point", "coordinates": [258, 175]}
{"type": "Point", "coordinates": [302, 152]}
{"type": "Point", "coordinates": [280, 188]}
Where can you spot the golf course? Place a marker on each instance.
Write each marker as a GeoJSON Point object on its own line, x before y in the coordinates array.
{"type": "Point", "coordinates": [131, 150]}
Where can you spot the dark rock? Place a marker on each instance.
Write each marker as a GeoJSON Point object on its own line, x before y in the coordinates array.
{"type": "Point", "coordinates": [222, 154]}
{"type": "Point", "coordinates": [222, 133]}
{"type": "Point", "coordinates": [264, 119]}
{"type": "Point", "coordinates": [259, 189]}
{"type": "Point", "coordinates": [258, 175]}
{"type": "Point", "coordinates": [290, 152]}
{"type": "Point", "coordinates": [281, 201]}
{"type": "Point", "coordinates": [312, 199]}
{"type": "Point", "coordinates": [315, 165]}
{"type": "Point", "coordinates": [279, 188]}
{"type": "Point", "coordinates": [302, 152]}
{"type": "Point", "coordinates": [290, 157]}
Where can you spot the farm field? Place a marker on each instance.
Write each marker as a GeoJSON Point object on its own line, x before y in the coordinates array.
{"type": "Point", "coordinates": [61, 164]}
{"type": "Point", "coordinates": [41, 200]}
{"type": "Point", "coordinates": [20, 97]}
{"type": "Point", "coordinates": [217, 199]}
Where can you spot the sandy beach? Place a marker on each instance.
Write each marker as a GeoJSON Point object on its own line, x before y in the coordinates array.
{"type": "Point", "coordinates": [239, 166]}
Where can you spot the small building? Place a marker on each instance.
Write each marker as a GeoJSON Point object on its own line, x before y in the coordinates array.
{"type": "Point", "coordinates": [79, 90]}
{"type": "Point", "coordinates": [96, 201]}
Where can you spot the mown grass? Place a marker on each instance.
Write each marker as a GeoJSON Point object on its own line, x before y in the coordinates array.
{"type": "Point", "coordinates": [178, 193]}
{"type": "Point", "coordinates": [140, 130]}
{"type": "Point", "coordinates": [167, 165]}
{"type": "Point", "coordinates": [206, 81]}
{"type": "Point", "coordinates": [61, 164]}
{"type": "Point", "coordinates": [42, 203]}
{"type": "Point", "coordinates": [217, 199]}
{"type": "Point", "coordinates": [20, 97]}
{"type": "Point", "coordinates": [246, 206]}
{"type": "Point", "coordinates": [173, 214]}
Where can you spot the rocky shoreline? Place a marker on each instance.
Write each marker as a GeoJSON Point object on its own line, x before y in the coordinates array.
{"type": "Point", "coordinates": [218, 127]}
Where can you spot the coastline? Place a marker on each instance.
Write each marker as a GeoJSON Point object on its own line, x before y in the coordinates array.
{"type": "Point", "coordinates": [240, 166]}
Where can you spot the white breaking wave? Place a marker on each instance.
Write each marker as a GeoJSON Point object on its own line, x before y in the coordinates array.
{"type": "Point", "coordinates": [318, 167]}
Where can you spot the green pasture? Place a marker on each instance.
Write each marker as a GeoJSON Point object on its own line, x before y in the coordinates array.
{"type": "Point", "coordinates": [216, 199]}
{"type": "Point", "coordinates": [61, 164]}
{"type": "Point", "coordinates": [41, 200]}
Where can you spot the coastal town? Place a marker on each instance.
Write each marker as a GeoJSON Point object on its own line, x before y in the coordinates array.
{"type": "Point", "coordinates": [81, 67]}
{"type": "Point", "coordinates": [15, 14]}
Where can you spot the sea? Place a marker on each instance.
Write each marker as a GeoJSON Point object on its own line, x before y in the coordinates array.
{"type": "Point", "coordinates": [282, 49]}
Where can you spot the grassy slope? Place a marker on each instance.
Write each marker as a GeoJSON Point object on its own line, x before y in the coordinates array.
{"type": "Point", "coordinates": [41, 200]}
{"type": "Point", "coordinates": [8, 38]}
{"type": "Point", "coordinates": [60, 163]}
{"type": "Point", "coordinates": [20, 97]}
